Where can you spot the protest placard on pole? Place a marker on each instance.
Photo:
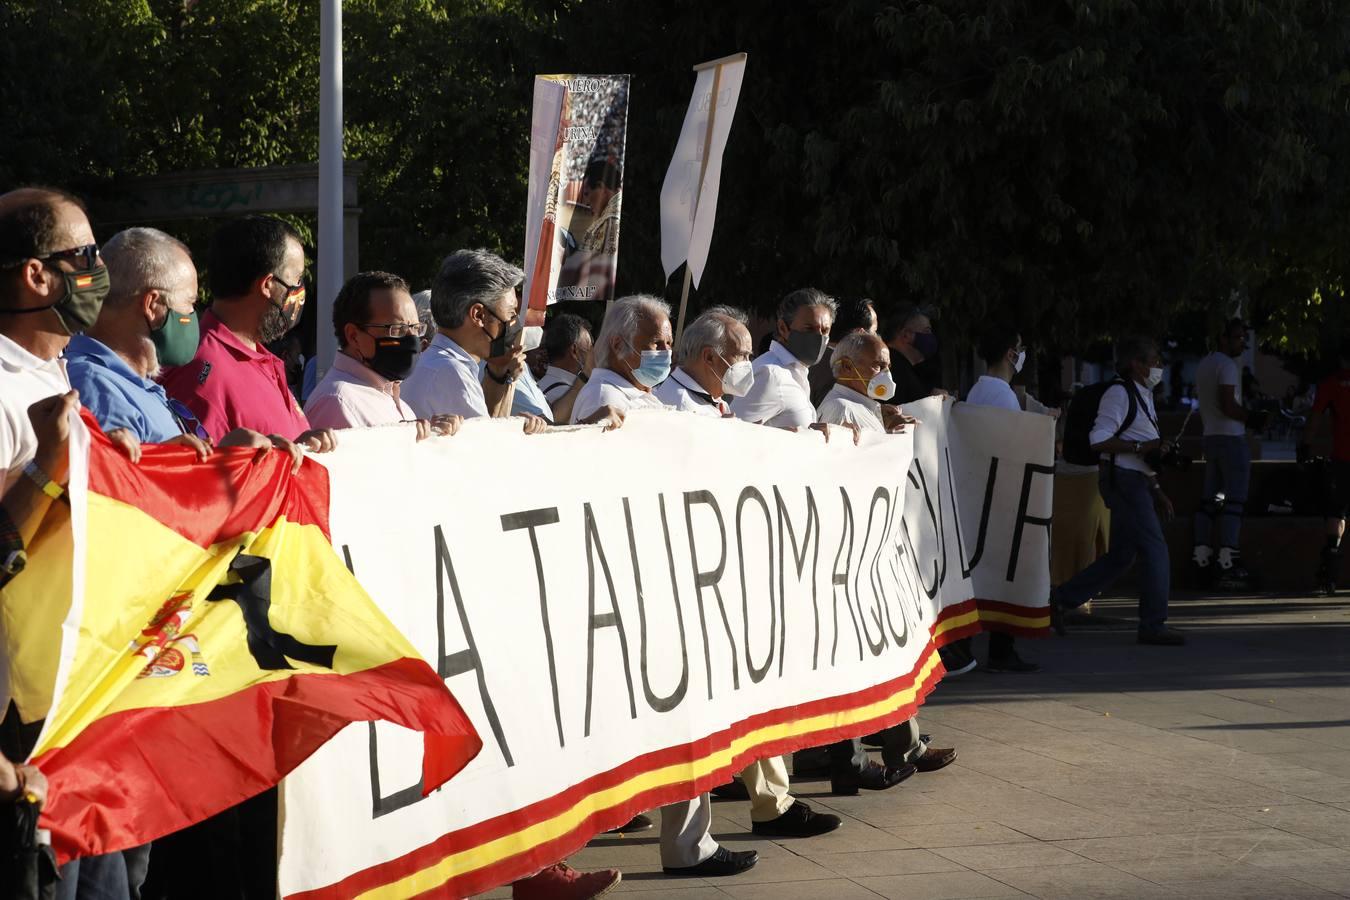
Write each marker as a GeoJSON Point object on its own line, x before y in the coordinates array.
{"type": "Point", "coordinates": [577, 136]}
{"type": "Point", "coordinates": [689, 193]}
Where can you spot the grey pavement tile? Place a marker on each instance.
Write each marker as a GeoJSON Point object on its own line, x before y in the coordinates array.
{"type": "Point", "coordinates": [987, 857]}
{"type": "Point", "coordinates": [1333, 762]}
{"type": "Point", "coordinates": [1319, 821]}
{"type": "Point", "coordinates": [853, 836]}
{"type": "Point", "coordinates": [1203, 866]}
{"type": "Point", "coordinates": [1082, 880]}
{"type": "Point", "coordinates": [1256, 740]}
{"type": "Point", "coordinates": [834, 889]}
{"type": "Point", "coordinates": [959, 834]}
{"type": "Point", "coordinates": [1336, 880]}
{"type": "Point", "coordinates": [1200, 844]}
{"type": "Point", "coordinates": [1243, 887]}
{"type": "Point", "coordinates": [1298, 860]}
{"type": "Point", "coordinates": [885, 862]}
{"type": "Point", "coordinates": [944, 886]}
{"type": "Point", "coordinates": [667, 887]}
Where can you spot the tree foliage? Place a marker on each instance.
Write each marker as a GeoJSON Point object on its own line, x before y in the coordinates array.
{"type": "Point", "coordinates": [1088, 166]}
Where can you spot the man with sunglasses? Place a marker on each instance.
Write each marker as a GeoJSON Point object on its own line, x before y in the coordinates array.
{"type": "Point", "coordinates": [257, 268]}
{"type": "Point", "coordinates": [379, 337]}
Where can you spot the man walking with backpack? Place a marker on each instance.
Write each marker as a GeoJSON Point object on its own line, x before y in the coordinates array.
{"type": "Point", "coordinates": [1125, 435]}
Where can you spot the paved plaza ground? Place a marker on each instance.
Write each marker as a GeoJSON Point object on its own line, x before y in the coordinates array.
{"type": "Point", "coordinates": [1217, 770]}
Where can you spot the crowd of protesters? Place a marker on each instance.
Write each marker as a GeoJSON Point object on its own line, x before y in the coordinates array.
{"type": "Point", "coordinates": [115, 328]}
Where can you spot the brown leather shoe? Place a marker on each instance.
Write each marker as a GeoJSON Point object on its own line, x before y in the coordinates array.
{"type": "Point", "coordinates": [934, 759]}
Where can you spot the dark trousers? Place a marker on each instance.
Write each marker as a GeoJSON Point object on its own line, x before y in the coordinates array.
{"type": "Point", "coordinates": [1136, 534]}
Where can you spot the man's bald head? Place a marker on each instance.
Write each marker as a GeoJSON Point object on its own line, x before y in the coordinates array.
{"type": "Point", "coordinates": [36, 222]}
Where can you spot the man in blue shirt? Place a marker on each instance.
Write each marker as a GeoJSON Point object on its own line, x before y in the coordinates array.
{"type": "Point", "coordinates": [147, 321]}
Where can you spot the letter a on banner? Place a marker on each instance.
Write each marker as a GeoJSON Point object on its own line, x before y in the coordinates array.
{"type": "Point", "coordinates": [689, 194]}
{"type": "Point", "coordinates": [577, 136]}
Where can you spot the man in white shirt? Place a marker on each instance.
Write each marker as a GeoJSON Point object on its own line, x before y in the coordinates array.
{"type": "Point", "coordinates": [1124, 433]}
{"type": "Point", "coordinates": [567, 344]}
{"type": "Point", "coordinates": [475, 304]}
{"type": "Point", "coordinates": [632, 356]}
{"type": "Point", "coordinates": [379, 337]}
{"type": "Point", "coordinates": [1003, 353]}
{"type": "Point", "coordinates": [714, 363]}
{"type": "Point", "coordinates": [781, 395]}
{"type": "Point", "coordinates": [1228, 462]}
{"type": "Point", "coordinates": [861, 366]}
{"type": "Point", "coordinates": [861, 370]}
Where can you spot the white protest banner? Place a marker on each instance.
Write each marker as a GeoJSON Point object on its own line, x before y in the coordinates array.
{"type": "Point", "coordinates": [578, 133]}
{"type": "Point", "coordinates": [701, 594]}
{"type": "Point", "coordinates": [689, 193]}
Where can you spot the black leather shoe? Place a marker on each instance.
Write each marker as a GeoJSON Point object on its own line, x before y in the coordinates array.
{"type": "Point", "coordinates": [934, 759]}
{"type": "Point", "coordinates": [1010, 662]}
{"type": "Point", "coordinates": [637, 823]}
{"type": "Point", "coordinates": [799, 821]}
{"type": "Point", "coordinates": [1163, 637]}
{"type": "Point", "coordinates": [723, 862]}
{"type": "Point", "coordinates": [875, 777]}
{"type": "Point", "coordinates": [732, 790]}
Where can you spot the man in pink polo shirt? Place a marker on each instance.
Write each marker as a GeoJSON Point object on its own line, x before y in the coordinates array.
{"type": "Point", "coordinates": [257, 266]}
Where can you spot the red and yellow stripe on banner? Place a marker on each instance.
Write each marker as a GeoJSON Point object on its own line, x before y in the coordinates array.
{"type": "Point", "coordinates": [220, 642]}
{"type": "Point", "coordinates": [511, 846]}
{"type": "Point", "coordinates": [963, 620]}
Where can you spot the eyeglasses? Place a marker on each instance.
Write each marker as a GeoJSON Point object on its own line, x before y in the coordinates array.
{"type": "Point", "coordinates": [399, 329]}
{"type": "Point", "coordinates": [83, 258]}
{"type": "Point", "coordinates": [187, 421]}
{"type": "Point", "coordinates": [290, 288]}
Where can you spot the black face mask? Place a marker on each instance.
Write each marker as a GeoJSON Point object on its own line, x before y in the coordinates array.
{"type": "Point", "coordinates": [394, 358]}
{"type": "Point", "coordinates": [807, 346]}
{"type": "Point", "coordinates": [501, 344]}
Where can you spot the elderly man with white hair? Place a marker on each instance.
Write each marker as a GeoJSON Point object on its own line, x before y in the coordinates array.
{"type": "Point", "coordinates": [632, 356]}
{"type": "Point", "coordinates": [861, 365]}
{"type": "Point", "coordinates": [862, 380]}
{"type": "Point", "coordinates": [714, 362]}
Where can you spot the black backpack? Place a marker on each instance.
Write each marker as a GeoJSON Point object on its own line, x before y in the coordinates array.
{"type": "Point", "coordinates": [1082, 415]}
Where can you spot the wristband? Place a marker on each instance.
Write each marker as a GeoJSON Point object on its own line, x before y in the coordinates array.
{"type": "Point", "coordinates": [43, 480]}
{"type": "Point", "coordinates": [503, 379]}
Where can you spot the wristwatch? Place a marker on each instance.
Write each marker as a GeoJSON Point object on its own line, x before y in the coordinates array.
{"type": "Point", "coordinates": [1137, 447]}
{"type": "Point", "coordinates": [43, 480]}
{"type": "Point", "coordinates": [503, 379]}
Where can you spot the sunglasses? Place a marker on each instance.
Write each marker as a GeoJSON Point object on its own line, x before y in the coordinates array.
{"type": "Point", "coordinates": [83, 258]}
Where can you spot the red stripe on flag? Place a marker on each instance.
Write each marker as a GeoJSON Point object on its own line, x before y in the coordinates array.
{"type": "Point", "coordinates": [524, 864]}
{"type": "Point", "coordinates": [974, 628]}
{"type": "Point", "coordinates": [213, 501]}
{"type": "Point", "coordinates": [134, 776]}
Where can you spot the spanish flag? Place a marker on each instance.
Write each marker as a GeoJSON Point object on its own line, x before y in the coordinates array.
{"type": "Point", "coordinates": [210, 640]}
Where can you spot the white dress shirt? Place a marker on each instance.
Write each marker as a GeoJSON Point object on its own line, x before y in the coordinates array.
{"type": "Point", "coordinates": [556, 382]}
{"type": "Point", "coordinates": [991, 391]}
{"type": "Point", "coordinates": [1111, 412]}
{"type": "Point", "coordinates": [781, 395]}
{"type": "Point", "coordinates": [680, 391]}
{"type": "Point", "coordinates": [353, 395]}
{"type": "Point", "coordinates": [445, 382]}
{"type": "Point", "coordinates": [845, 406]}
{"type": "Point", "coordinates": [609, 388]}
{"type": "Point", "coordinates": [24, 380]}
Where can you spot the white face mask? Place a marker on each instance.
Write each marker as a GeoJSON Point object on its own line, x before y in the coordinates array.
{"type": "Point", "coordinates": [882, 386]}
{"type": "Point", "coordinates": [738, 379]}
{"type": "Point", "coordinates": [1020, 361]}
{"type": "Point", "coordinates": [1154, 378]}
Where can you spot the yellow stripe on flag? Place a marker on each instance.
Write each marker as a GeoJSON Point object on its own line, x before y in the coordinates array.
{"type": "Point", "coordinates": [539, 833]}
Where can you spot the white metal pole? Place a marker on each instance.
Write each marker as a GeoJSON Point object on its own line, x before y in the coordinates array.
{"type": "Point", "coordinates": [330, 175]}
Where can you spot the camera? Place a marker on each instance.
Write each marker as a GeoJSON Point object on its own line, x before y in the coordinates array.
{"type": "Point", "coordinates": [1168, 456]}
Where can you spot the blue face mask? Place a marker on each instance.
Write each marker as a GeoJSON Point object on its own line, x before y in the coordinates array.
{"type": "Point", "coordinates": [654, 368]}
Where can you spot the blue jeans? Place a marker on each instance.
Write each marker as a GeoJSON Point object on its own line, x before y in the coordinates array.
{"type": "Point", "coordinates": [112, 876]}
{"type": "Point", "coordinates": [1228, 472]}
{"type": "Point", "coordinates": [1136, 533]}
